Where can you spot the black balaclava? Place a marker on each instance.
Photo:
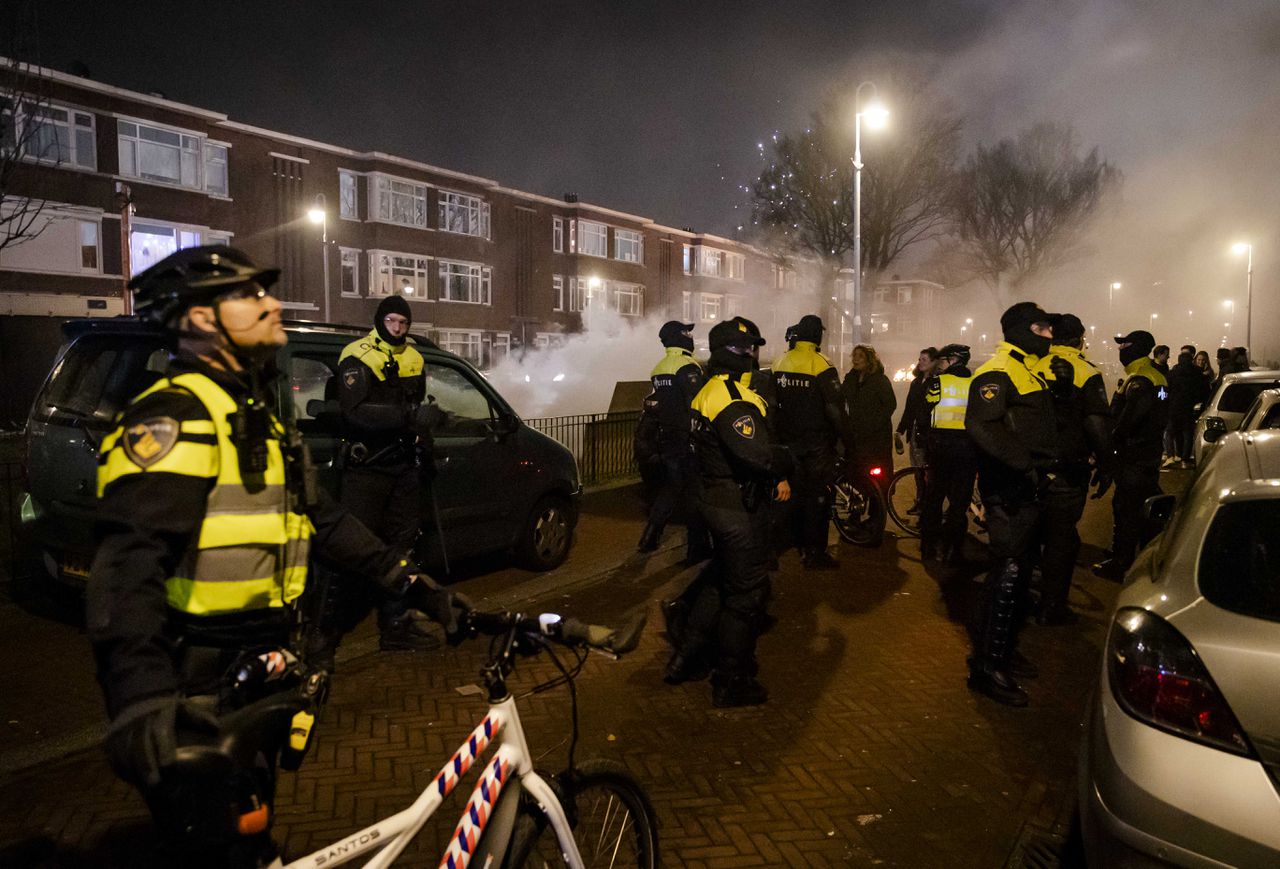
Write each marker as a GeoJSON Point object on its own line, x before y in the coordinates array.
{"type": "Point", "coordinates": [809, 328]}
{"type": "Point", "coordinates": [1016, 324]}
{"type": "Point", "coordinates": [676, 334]}
{"type": "Point", "coordinates": [733, 360]}
{"type": "Point", "coordinates": [1138, 344]}
{"type": "Point", "coordinates": [392, 305]}
{"type": "Point", "coordinates": [731, 349]}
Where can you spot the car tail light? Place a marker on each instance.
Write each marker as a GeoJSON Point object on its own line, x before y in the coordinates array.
{"type": "Point", "coordinates": [1157, 677]}
{"type": "Point", "coordinates": [877, 471]}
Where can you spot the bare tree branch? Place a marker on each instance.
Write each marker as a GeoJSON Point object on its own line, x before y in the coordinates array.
{"type": "Point", "coordinates": [27, 134]}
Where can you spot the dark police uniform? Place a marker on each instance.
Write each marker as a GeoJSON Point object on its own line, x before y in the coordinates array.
{"type": "Point", "coordinates": [676, 380]}
{"type": "Point", "coordinates": [1010, 418]}
{"type": "Point", "coordinates": [1140, 408]}
{"type": "Point", "coordinates": [953, 464]}
{"type": "Point", "coordinates": [1083, 422]}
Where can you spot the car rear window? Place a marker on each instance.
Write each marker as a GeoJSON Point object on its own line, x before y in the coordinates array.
{"type": "Point", "coordinates": [1238, 397]}
{"type": "Point", "coordinates": [97, 377]}
{"type": "Point", "coordinates": [1240, 562]}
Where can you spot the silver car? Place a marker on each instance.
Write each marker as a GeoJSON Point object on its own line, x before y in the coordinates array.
{"type": "Point", "coordinates": [1180, 761]}
{"type": "Point", "coordinates": [1227, 406]}
{"type": "Point", "coordinates": [1262, 415]}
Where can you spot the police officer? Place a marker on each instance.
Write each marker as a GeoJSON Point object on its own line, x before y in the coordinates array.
{"type": "Point", "coordinates": [1084, 432]}
{"type": "Point", "coordinates": [1010, 417]}
{"type": "Point", "coordinates": [738, 468]}
{"type": "Point", "coordinates": [676, 380]}
{"type": "Point", "coordinates": [1140, 410]}
{"type": "Point", "coordinates": [810, 420]}
{"type": "Point", "coordinates": [386, 429]}
{"type": "Point", "coordinates": [182, 584]}
{"type": "Point", "coordinates": [953, 461]}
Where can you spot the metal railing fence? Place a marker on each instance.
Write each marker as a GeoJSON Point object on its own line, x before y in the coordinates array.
{"type": "Point", "coordinates": [600, 442]}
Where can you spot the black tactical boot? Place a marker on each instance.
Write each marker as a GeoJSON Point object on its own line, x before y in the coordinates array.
{"type": "Point", "coordinates": [731, 691]}
{"type": "Point", "coordinates": [1020, 666]}
{"type": "Point", "coordinates": [649, 538]}
{"type": "Point", "coordinates": [675, 615]}
{"type": "Point", "coordinates": [819, 559]}
{"type": "Point", "coordinates": [996, 683]}
{"type": "Point", "coordinates": [408, 633]}
{"type": "Point", "coordinates": [686, 667]}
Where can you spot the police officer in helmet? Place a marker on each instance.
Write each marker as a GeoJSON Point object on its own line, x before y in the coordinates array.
{"type": "Point", "coordinates": [953, 460]}
{"type": "Point", "coordinates": [181, 585]}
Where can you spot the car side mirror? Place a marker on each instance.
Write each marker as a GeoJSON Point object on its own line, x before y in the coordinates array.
{"type": "Point", "coordinates": [1214, 428]}
{"type": "Point", "coordinates": [505, 424]}
{"type": "Point", "coordinates": [1156, 511]}
{"type": "Point", "coordinates": [326, 413]}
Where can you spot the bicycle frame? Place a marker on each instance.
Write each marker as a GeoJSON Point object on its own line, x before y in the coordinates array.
{"type": "Point", "coordinates": [501, 727]}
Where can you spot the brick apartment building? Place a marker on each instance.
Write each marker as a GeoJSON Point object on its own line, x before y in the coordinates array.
{"type": "Point", "coordinates": [489, 269]}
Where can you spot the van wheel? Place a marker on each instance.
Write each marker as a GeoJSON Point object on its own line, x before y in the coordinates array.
{"type": "Point", "coordinates": [547, 534]}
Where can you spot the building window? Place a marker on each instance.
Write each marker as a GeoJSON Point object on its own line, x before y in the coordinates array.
{"type": "Point", "coordinates": [557, 292]}
{"type": "Point", "coordinates": [401, 202]}
{"type": "Point", "coordinates": [628, 246]}
{"type": "Point", "coordinates": [349, 268]}
{"type": "Point", "coordinates": [467, 215]}
{"type": "Point", "coordinates": [732, 306]}
{"type": "Point", "coordinates": [215, 169]}
{"type": "Point", "coordinates": [398, 274]}
{"type": "Point", "coordinates": [881, 295]}
{"type": "Point", "coordinates": [735, 266]}
{"type": "Point", "coordinates": [464, 282]}
{"type": "Point", "coordinates": [557, 234]}
{"type": "Point", "coordinates": [547, 340]}
{"type": "Point", "coordinates": [686, 309]}
{"type": "Point", "coordinates": [460, 343]}
{"type": "Point", "coordinates": [51, 134]}
{"type": "Point", "coordinates": [347, 198]}
{"type": "Point", "coordinates": [593, 238]}
{"type": "Point", "coordinates": [501, 348]}
{"type": "Point", "coordinates": [579, 293]}
{"type": "Point", "coordinates": [709, 307]}
{"type": "Point", "coordinates": [687, 258]}
{"type": "Point", "coordinates": [89, 258]}
{"type": "Point", "coordinates": [157, 154]}
{"type": "Point", "coordinates": [573, 235]}
{"type": "Point", "coordinates": [61, 241]}
{"type": "Point", "coordinates": [150, 242]}
{"type": "Point", "coordinates": [904, 295]}
{"type": "Point", "coordinates": [627, 299]}
{"type": "Point", "coordinates": [710, 262]}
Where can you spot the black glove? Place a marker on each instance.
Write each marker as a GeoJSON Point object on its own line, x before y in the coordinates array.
{"type": "Point", "coordinates": [443, 606]}
{"type": "Point", "coordinates": [1102, 480]}
{"type": "Point", "coordinates": [1064, 377]}
{"type": "Point", "coordinates": [143, 738]}
{"type": "Point", "coordinates": [425, 418]}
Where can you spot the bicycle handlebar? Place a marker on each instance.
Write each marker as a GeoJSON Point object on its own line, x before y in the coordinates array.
{"type": "Point", "coordinates": [566, 631]}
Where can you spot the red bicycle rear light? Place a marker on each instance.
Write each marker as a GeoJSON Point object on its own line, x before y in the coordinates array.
{"type": "Point", "coordinates": [876, 471]}
{"type": "Point", "coordinates": [1157, 677]}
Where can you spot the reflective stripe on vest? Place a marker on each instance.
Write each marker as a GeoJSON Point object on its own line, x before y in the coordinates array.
{"type": "Point", "coordinates": [251, 550]}
{"type": "Point", "coordinates": [950, 409]}
{"type": "Point", "coordinates": [376, 353]}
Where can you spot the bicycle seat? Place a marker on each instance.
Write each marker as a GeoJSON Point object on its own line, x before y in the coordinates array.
{"type": "Point", "coordinates": [260, 726]}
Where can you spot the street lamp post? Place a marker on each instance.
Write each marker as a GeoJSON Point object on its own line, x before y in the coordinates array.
{"type": "Point", "coordinates": [877, 117]}
{"type": "Point", "coordinates": [319, 215]}
{"type": "Point", "coordinates": [1247, 248]}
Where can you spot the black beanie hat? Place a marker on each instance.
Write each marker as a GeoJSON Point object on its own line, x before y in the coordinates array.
{"type": "Point", "coordinates": [809, 328]}
{"type": "Point", "coordinates": [391, 305]}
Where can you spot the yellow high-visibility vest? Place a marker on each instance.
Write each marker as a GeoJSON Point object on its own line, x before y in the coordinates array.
{"type": "Point", "coordinates": [950, 403]}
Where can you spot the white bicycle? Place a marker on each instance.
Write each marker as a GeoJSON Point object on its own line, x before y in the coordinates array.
{"type": "Point", "coordinates": [592, 814]}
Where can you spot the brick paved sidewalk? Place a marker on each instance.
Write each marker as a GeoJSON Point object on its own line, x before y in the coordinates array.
{"type": "Point", "coordinates": [871, 751]}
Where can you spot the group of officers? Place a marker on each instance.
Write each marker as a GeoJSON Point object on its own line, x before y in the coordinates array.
{"type": "Point", "coordinates": [1032, 426]}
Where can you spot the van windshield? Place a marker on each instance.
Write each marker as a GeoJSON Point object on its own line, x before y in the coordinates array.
{"type": "Point", "coordinates": [97, 377]}
{"type": "Point", "coordinates": [1240, 562]}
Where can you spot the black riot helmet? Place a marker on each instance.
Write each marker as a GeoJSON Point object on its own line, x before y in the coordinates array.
{"type": "Point", "coordinates": [194, 276]}
{"type": "Point", "coordinates": [958, 353]}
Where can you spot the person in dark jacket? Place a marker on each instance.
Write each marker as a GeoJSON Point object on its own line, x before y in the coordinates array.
{"type": "Point", "coordinates": [1240, 359]}
{"type": "Point", "coordinates": [869, 403]}
{"type": "Point", "coordinates": [1187, 388]}
{"type": "Point", "coordinates": [1224, 366]}
{"type": "Point", "coordinates": [914, 423]}
{"type": "Point", "coordinates": [953, 460]}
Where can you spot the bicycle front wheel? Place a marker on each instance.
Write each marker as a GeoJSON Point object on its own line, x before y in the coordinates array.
{"type": "Point", "coordinates": [857, 511]}
{"type": "Point", "coordinates": [904, 499]}
{"type": "Point", "coordinates": [610, 815]}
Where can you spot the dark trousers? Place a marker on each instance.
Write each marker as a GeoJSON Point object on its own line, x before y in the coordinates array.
{"type": "Point", "coordinates": [952, 468]}
{"type": "Point", "coordinates": [679, 488]}
{"type": "Point", "coordinates": [733, 589]}
{"type": "Point", "coordinates": [1135, 483]}
{"type": "Point", "coordinates": [1011, 528]}
{"type": "Point", "coordinates": [1182, 432]}
{"type": "Point", "coordinates": [815, 474]}
{"type": "Point", "coordinates": [1062, 505]}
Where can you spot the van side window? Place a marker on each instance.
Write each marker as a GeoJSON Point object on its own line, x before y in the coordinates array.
{"type": "Point", "coordinates": [97, 378]}
{"type": "Point", "coordinates": [466, 408]}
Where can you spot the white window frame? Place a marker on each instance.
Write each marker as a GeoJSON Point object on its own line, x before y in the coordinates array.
{"type": "Point", "coordinates": [735, 266]}
{"type": "Point", "coordinates": [686, 310]}
{"type": "Point", "coordinates": [626, 298]}
{"type": "Point", "coordinates": [710, 302]}
{"type": "Point", "coordinates": [349, 257]}
{"type": "Point", "coordinates": [415, 192]}
{"type": "Point", "coordinates": [589, 233]}
{"type": "Point", "coordinates": [573, 235]}
{"type": "Point", "coordinates": [189, 142]}
{"type": "Point", "coordinates": [398, 262]}
{"type": "Point", "coordinates": [501, 348]}
{"type": "Point", "coordinates": [880, 295]}
{"type": "Point", "coordinates": [628, 246]}
{"type": "Point", "coordinates": [557, 292]}
{"type": "Point", "coordinates": [478, 276]}
{"type": "Point", "coordinates": [707, 256]}
{"type": "Point", "coordinates": [69, 258]}
{"type": "Point", "coordinates": [579, 294]}
{"type": "Point", "coordinates": [446, 338]}
{"type": "Point", "coordinates": [686, 257]}
{"type": "Point", "coordinates": [217, 154]}
{"type": "Point", "coordinates": [473, 211]}
{"type": "Point", "coordinates": [732, 306]}
{"type": "Point", "coordinates": [81, 154]}
{"type": "Point", "coordinates": [557, 234]}
{"type": "Point", "coordinates": [348, 208]}
{"type": "Point", "coordinates": [96, 225]}
{"type": "Point", "coordinates": [904, 295]}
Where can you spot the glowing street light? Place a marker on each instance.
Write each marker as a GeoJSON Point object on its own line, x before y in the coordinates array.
{"type": "Point", "coordinates": [1111, 292]}
{"type": "Point", "coordinates": [877, 117]}
{"type": "Point", "coordinates": [1247, 248]}
{"type": "Point", "coordinates": [1151, 322]}
{"type": "Point", "coordinates": [318, 214]}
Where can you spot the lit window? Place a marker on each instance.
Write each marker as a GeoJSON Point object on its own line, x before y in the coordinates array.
{"type": "Point", "coordinates": [628, 246]}
{"type": "Point", "coordinates": [687, 258]}
{"type": "Point", "coordinates": [347, 199]}
{"type": "Point", "coordinates": [467, 215]}
{"type": "Point", "coordinates": [460, 343]}
{"type": "Point", "coordinates": [400, 202]}
{"type": "Point", "coordinates": [51, 134]}
{"type": "Point", "coordinates": [557, 234]}
{"type": "Point", "coordinates": [557, 293]}
{"type": "Point", "coordinates": [464, 282]}
{"type": "Point", "coordinates": [593, 238]}
{"type": "Point", "coordinates": [89, 245]}
{"type": "Point", "coordinates": [152, 241]}
{"type": "Point", "coordinates": [350, 271]}
{"type": "Point", "coordinates": [398, 274]}
{"type": "Point", "coordinates": [579, 293]}
{"type": "Point", "coordinates": [735, 266]}
{"type": "Point", "coordinates": [215, 169]}
{"type": "Point", "coordinates": [626, 299]}
{"type": "Point", "coordinates": [710, 307]}
{"type": "Point", "coordinates": [63, 240]}
{"type": "Point", "coordinates": [158, 154]}
{"type": "Point", "coordinates": [710, 262]}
